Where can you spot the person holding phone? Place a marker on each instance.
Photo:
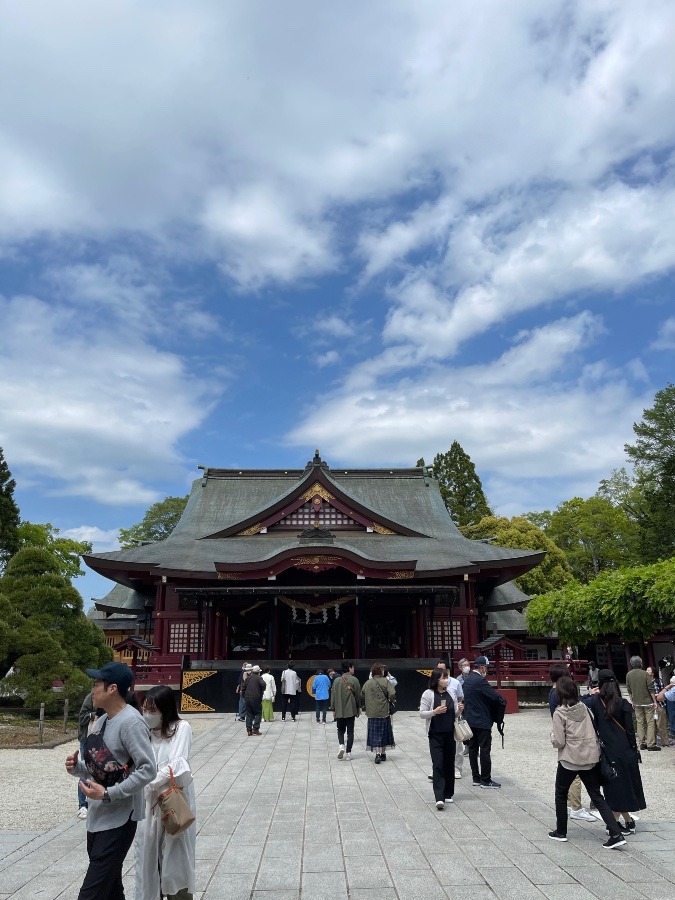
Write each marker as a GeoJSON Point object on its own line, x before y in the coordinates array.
{"type": "Point", "coordinates": [437, 708]}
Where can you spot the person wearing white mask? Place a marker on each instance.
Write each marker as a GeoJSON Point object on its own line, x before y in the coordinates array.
{"type": "Point", "coordinates": [454, 688]}
{"type": "Point", "coordinates": [165, 863]}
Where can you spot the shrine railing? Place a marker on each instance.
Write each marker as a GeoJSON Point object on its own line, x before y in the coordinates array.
{"type": "Point", "coordinates": [536, 670]}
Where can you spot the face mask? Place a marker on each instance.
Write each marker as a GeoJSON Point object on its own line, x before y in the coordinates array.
{"type": "Point", "coordinates": [466, 670]}
{"type": "Point", "coordinates": [153, 720]}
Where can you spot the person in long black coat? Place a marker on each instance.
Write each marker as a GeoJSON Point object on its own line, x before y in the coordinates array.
{"type": "Point", "coordinates": [614, 721]}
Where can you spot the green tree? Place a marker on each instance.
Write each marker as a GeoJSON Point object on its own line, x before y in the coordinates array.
{"type": "Point", "coordinates": [634, 603]}
{"type": "Point", "coordinates": [66, 550]}
{"type": "Point", "coordinates": [553, 572]}
{"type": "Point", "coordinates": [157, 523]}
{"type": "Point", "coordinates": [9, 514]}
{"type": "Point", "coordinates": [653, 455]}
{"type": "Point", "coordinates": [593, 534]}
{"type": "Point", "coordinates": [460, 486]}
{"type": "Point", "coordinates": [46, 636]}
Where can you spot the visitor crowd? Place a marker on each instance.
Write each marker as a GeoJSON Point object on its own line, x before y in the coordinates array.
{"type": "Point", "coordinates": [135, 781]}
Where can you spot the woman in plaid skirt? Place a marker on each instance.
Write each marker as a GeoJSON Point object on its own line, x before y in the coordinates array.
{"type": "Point", "coordinates": [376, 694]}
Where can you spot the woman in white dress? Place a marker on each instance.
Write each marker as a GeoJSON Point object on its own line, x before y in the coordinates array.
{"type": "Point", "coordinates": [165, 863]}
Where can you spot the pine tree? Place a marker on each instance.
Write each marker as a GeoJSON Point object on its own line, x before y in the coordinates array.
{"type": "Point", "coordinates": [9, 514]}
{"type": "Point", "coordinates": [460, 486]}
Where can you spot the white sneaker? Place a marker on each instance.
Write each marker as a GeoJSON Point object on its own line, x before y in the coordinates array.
{"type": "Point", "coordinates": [450, 800]}
{"type": "Point", "coordinates": [458, 774]}
{"type": "Point", "coordinates": [341, 751]}
{"type": "Point", "coordinates": [82, 812]}
{"type": "Point", "coordinates": [348, 757]}
{"type": "Point", "coordinates": [582, 814]}
{"type": "Point", "coordinates": [440, 804]}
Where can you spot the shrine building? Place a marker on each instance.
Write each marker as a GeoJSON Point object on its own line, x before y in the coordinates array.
{"type": "Point", "coordinates": [313, 565]}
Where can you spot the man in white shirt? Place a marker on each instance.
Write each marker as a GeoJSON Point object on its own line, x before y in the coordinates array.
{"type": "Point", "coordinates": [290, 692]}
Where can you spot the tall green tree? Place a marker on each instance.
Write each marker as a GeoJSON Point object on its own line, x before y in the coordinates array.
{"type": "Point", "coordinates": [653, 455]}
{"type": "Point", "coordinates": [158, 522]}
{"type": "Point", "coordinates": [46, 636]}
{"type": "Point", "coordinates": [67, 551]}
{"type": "Point", "coordinates": [9, 514]}
{"type": "Point", "coordinates": [553, 572]}
{"type": "Point", "coordinates": [461, 488]}
{"type": "Point", "coordinates": [593, 534]}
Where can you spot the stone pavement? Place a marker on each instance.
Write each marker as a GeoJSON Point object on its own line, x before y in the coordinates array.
{"type": "Point", "coordinates": [281, 818]}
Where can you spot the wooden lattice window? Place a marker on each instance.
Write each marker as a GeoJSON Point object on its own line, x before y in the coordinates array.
{"type": "Point", "coordinates": [328, 517]}
{"type": "Point", "coordinates": [445, 634]}
{"type": "Point", "coordinates": [183, 637]}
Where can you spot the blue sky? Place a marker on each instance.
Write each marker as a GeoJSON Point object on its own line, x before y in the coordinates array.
{"type": "Point", "coordinates": [232, 233]}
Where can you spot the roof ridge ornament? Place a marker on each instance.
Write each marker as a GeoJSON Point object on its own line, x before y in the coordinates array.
{"type": "Point", "coordinates": [316, 462]}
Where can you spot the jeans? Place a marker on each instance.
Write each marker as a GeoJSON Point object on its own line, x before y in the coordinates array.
{"type": "Point", "coordinates": [442, 750]}
{"type": "Point", "coordinates": [290, 699]}
{"type": "Point", "coordinates": [81, 799]}
{"type": "Point", "coordinates": [321, 709]}
{"type": "Point", "coordinates": [479, 747]}
{"type": "Point", "coordinates": [253, 714]}
{"type": "Point", "coordinates": [241, 710]}
{"type": "Point", "coordinates": [670, 709]}
{"type": "Point", "coordinates": [589, 777]}
{"type": "Point", "coordinates": [346, 724]}
{"type": "Point", "coordinates": [106, 850]}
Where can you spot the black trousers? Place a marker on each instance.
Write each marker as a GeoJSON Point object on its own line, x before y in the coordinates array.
{"type": "Point", "coordinates": [589, 778]}
{"type": "Point", "coordinates": [294, 701]}
{"type": "Point", "coordinates": [346, 724]}
{"type": "Point", "coordinates": [253, 710]}
{"type": "Point", "coordinates": [107, 851]}
{"type": "Point", "coordinates": [442, 750]}
{"type": "Point", "coordinates": [480, 746]}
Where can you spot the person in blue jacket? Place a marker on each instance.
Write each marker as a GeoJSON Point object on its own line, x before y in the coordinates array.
{"type": "Point", "coordinates": [321, 693]}
{"type": "Point", "coordinates": [483, 707]}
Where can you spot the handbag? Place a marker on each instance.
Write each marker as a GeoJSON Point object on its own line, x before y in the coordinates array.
{"type": "Point", "coordinates": [100, 762]}
{"type": "Point", "coordinates": [175, 811]}
{"type": "Point", "coordinates": [392, 703]}
{"type": "Point", "coordinates": [463, 730]}
{"type": "Point", "coordinates": [606, 768]}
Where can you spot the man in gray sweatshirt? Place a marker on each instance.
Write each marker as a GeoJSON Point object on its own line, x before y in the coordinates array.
{"type": "Point", "coordinates": [113, 811]}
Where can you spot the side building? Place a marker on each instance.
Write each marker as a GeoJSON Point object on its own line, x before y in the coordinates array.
{"type": "Point", "coordinates": [314, 565]}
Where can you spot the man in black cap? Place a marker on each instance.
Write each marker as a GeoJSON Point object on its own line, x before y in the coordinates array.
{"type": "Point", "coordinates": [483, 706]}
{"type": "Point", "coordinates": [115, 810]}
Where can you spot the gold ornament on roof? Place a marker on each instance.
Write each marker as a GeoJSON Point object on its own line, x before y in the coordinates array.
{"type": "Point", "coordinates": [317, 490]}
{"type": "Point", "coordinates": [189, 704]}
{"type": "Point", "coordinates": [253, 529]}
{"type": "Point", "coordinates": [380, 529]}
{"type": "Point", "coordinates": [190, 678]}
{"type": "Point", "coordinates": [401, 575]}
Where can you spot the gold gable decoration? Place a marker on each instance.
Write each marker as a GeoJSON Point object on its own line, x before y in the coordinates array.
{"type": "Point", "coordinates": [408, 573]}
{"type": "Point", "coordinates": [380, 529]}
{"type": "Point", "coordinates": [189, 704]}
{"type": "Point", "coordinates": [253, 529]}
{"type": "Point", "coordinates": [317, 490]}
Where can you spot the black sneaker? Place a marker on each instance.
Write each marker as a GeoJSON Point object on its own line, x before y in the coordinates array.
{"type": "Point", "coordinates": [654, 748]}
{"type": "Point", "coordinates": [476, 782]}
{"type": "Point", "coordinates": [628, 828]}
{"type": "Point", "coordinates": [617, 840]}
{"type": "Point", "coordinates": [490, 784]}
{"type": "Point", "coordinates": [556, 836]}
{"type": "Point", "coordinates": [383, 757]}
{"type": "Point", "coordinates": [378, 758]}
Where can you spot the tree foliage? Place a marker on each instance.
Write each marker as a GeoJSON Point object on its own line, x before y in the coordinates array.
{"type": "Point", "coordinates": [45, 635]}
{"type": "Point", "coordinates": [633, 603]}
{"type": "Point", "coordinates": [9, 514]}
{"type": "Point", "coordinates": [460, 486]}
{"type": "Point", "coordinates": [66, 551]}
{"type": "Point", "coordinates": [653, 455]}
{"type": "Point", "coordinates": [553, 572]}
{"type": "Point", "coordinates": [158, 522]}
{"type": "Point", "coordinates": [593, 534]}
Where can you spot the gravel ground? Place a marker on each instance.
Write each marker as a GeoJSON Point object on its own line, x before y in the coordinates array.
{"type": "Point", "coordinates": [37, 794]}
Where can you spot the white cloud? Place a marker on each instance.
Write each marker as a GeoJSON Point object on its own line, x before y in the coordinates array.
{"type": "Point", "coordinates": [534, 413]}
{"type": "Point", "coordinates": [101, 541]}
{"type": "Point", "coordinates": [329, 358]}
{"type": "Point", "coordinates": [95, 413]}
{"type": "Point", "coordinates": [666, 336]}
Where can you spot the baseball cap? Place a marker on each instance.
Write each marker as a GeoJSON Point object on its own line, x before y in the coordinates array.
{"type": "Point", "coordinates": [481, 661]}
{"type": "Point", "coordinates": [114, 673]}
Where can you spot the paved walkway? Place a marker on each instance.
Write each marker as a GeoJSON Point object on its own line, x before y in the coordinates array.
{"type": "Point", "coordinates": [281, 818]}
